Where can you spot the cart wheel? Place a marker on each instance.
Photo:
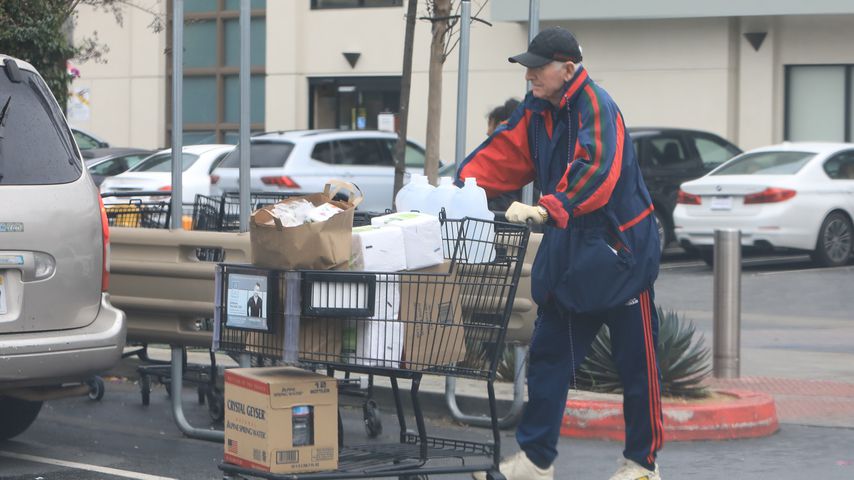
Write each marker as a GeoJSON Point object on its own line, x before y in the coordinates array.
{"type": "Point", "coordinates": [373, 422]}
{"type": "Point", "coordinates": [201, 392]}
{"type": "Point", "coordinates": [216, 405]}
{"type": "Point", "coordinates": [145, 389]}
{"type": "Point", "coordinates": [96, 388]}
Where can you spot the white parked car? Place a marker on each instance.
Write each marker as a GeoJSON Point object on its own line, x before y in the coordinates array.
{"type": "Point", "coordinates": [791, 196]}
{"type": "Point", "coordinates": [155, 172]}
{"type": "Point", "coordinates": [302, 161]}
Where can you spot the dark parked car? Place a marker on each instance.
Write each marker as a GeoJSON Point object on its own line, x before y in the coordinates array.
{"type": "Point", "coordinates": [670, 156]}
{"type": "Point", "coordinates": [108, 162]}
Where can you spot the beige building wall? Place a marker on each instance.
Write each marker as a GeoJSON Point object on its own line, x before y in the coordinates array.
{"type": "Point", "coordinates": [127, 93]}
{"type": "Point", "coordinates": [692, 73]}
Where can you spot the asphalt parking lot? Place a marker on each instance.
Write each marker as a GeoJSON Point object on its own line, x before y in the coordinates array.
{"type": "Point", "coordinates": [796, 323]}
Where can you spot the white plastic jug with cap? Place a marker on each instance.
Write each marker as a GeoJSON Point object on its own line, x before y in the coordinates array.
{"type": "Point", "coordinates": [413, 195]}
{"type": "Point", "coordinates": [479, 237]}
{"type": "Point", "coordinates": [441, 197]}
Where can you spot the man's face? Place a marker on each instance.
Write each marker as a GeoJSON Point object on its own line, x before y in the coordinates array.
{"type": "Point", "coordinates": [547, 81]}
{"type": "Point", "coordinates": [257, 291]}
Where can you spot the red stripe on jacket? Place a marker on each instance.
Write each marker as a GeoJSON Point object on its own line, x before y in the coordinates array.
{"type": "Point", "coordinates": [602, 194]}
{"type": "Point", "coordinates": [503, 162]}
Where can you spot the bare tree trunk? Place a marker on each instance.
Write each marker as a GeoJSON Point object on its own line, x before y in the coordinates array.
{"type": "Point", "coordinates": [441, 11]}
{"type": "Point", "coordinates": [405, 84]}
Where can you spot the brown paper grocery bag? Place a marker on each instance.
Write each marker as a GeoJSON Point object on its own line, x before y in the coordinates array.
{"type": "Point", "coordinates": [311, 246]}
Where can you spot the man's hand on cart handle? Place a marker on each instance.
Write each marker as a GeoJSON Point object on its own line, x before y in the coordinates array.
{"type": "Point", "coordinates": [521, 213]}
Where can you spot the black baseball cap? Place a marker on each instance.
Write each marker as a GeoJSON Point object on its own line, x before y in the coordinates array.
{"type": "Point", "coordinates": [554, 44]}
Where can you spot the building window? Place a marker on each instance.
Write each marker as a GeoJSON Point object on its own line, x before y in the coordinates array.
{"type": "Point", "coordinates": [819, 103]}
{"type": "Point", "coordinates": [211, 103]}
{"type": "Point", "coordinates": [320, 4]}
{"type": "Point", "coordinates": [352, 103]}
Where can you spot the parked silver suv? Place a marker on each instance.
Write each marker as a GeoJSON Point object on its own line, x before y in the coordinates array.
{"type": "Point", "coordinates": [302, 161]}
{"type": "Point", "coordinates": [57, 326]}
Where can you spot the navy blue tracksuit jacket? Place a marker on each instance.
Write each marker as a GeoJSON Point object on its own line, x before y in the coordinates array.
{"type": "Point", "coordinates": [597, 262]}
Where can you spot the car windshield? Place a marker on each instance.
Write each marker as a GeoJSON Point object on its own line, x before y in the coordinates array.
{"type": "Point", "coordinates": [766, 163]}
{"type": "Point", "coordinates": [261, 155]}
{"type": "Point", "coordinates": [162, 162]}
{"type": "Point", "coordinates": [36, 146]}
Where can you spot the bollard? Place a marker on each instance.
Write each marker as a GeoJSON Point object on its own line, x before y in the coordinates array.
{"type": "Point", "coordinates": [727, 309]}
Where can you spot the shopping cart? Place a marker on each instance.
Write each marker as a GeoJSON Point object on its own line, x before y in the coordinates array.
{"type": "Point", "coordinates": [137, 209]}
{"type": "Point", "coordinates": [450, 321]}
{"type": "Point", "coordinates": [222, 214]}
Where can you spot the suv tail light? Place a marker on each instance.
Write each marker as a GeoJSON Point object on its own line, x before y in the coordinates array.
{"type": "Point", "coordinates": [214, 179]}
{"type": "Point", "coordinates": [686, 198]}
{"type": "Point", "coordinates": [769, 195]}
{"type": "Point", "coordinates": [281, 181]}
{"type": "Point", "coordinates": [165, 188]}
{"type": "Point", "coordinates": [105, 236]}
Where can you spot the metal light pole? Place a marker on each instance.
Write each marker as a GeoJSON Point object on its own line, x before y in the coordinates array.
{"type": "Point", "coordinates": [727, 309]}
{"type": "Point", "coordinates": [245, 186]}
{"type": "Point", "coordinates": [533, 30]}
{"type": "Point", "coordinates": [463, 81]}
{"type": "Point", "coordinates": [176, 206]}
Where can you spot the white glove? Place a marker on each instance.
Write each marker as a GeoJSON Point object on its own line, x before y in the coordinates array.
{"type": "Point", "coordinates": [521, 213]}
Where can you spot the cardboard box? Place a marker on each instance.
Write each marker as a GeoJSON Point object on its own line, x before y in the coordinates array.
{"type": "Point", "coordinates": [260, 425]}
{"type": "Point", "coordinates": [320, 340]}
{"type": "Point", "coordinates": [422, 237]}
{"type": "Point", "coordinates": [378, 249]}
{"type": "Point", "coordinates": [432, 315]}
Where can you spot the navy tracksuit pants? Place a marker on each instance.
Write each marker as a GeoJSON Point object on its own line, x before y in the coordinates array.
{"type": "Point", "coordinates": [560, 343]}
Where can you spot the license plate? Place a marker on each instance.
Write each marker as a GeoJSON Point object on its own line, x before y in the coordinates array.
{"type": "Point", "coordinates": [2, 294]}
{"type": "Point", "coordinates": [721, 203]}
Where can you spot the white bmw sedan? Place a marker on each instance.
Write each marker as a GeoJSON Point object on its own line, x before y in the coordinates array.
{"type": "Point", "coordinates": [797, 196]}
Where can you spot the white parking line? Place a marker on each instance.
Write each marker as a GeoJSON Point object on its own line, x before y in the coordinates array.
{"type": "Point", "coordinates": [806, 270]}
{"type": "Point", "coordinates": [83, 466]}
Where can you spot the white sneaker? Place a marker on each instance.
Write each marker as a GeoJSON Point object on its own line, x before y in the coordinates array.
{"type": "Point", "coordinates": [519, 467]}
{"type": "Point", "coordinates": [630, 470]}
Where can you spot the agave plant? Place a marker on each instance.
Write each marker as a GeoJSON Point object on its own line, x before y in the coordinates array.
{"type": "Point", "coordinates": [684, 363]}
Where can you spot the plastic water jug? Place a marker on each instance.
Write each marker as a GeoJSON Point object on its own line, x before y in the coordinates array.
{"type": "Point", "coordinates": [413, 195]}
{"type": "Point", "coordinates": [478, 238]}
{"type": "Point", "coordinates": [441, 197]}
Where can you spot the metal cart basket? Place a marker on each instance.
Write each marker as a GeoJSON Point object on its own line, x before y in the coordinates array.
{"type": "Point", "coordinates": [137, 209]}
{"type": "Point", "coordinates": [448, 320]}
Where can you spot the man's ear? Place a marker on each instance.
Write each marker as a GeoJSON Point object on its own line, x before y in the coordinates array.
{"type": "Point", "coordinates": [569, 70]}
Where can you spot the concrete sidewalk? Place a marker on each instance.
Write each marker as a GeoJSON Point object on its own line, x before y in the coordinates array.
{"type": "Point", "coordinates": [800, 401]}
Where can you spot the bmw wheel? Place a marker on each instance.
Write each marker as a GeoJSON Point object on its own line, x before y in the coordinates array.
{"type": "Point", "coordinates": [833, 248]}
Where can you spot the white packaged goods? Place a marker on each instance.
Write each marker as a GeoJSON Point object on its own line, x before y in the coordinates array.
{"type": "Point", "coordinates": [292, 214]}
{"type": "Point", "coordinates": [348, 295]}
{"type": "Point", "coordinates": [422, 237]}
{"type": "Point", "coordinates": [322, 213]}
{"type": "Point", "coordinates": [296, 213]}
{"type": "Point", "coordinates": [378, 249]}
{"type": "Point", "coordinates": [379, 341]}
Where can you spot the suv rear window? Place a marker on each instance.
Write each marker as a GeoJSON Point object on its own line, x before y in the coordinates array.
{"type": "Point", "coordinates": [35, 146]}
{"type": "Point", "coordinates": [261, 155]}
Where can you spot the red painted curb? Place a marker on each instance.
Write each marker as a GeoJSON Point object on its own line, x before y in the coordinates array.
{"type": "Point", "coordinates": [744, 414]}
